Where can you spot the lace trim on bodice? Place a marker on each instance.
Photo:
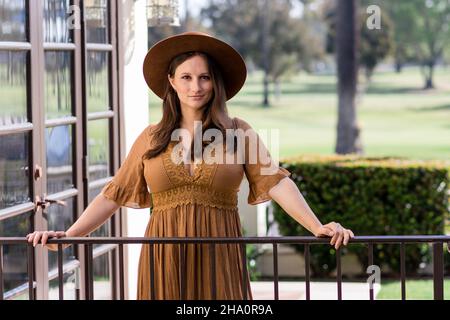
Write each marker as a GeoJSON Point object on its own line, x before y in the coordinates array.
{"type": "Point", "coordinates": [178, 174]}
{"type": "Point", "coordinates": [194, 194]}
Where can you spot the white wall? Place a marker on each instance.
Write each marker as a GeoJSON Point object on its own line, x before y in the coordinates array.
{"type": "Point", "coordinates": [134, 22]}
{"type": "Point", "coordinates": [248, 213]}
{"type": "Point", "coordinates": [136, 115]}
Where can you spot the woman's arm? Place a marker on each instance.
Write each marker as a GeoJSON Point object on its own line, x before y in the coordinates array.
{"type": "Point", "coordinates": [98, 211]}
{"type": "Point", "coordinates": [288, 196]}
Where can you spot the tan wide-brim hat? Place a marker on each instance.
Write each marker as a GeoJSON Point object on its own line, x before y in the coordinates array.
{"type": "Point", "coordinates": [158, 58]}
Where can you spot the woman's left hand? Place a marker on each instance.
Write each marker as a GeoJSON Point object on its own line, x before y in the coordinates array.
{"type": "Point", "coordinates": [339, 235]}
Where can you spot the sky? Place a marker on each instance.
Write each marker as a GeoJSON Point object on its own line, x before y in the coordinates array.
{"type": "Point", "coordinates": [194, 6]}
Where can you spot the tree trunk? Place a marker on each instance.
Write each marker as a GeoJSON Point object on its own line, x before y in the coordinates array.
{"type": "Point", "coordinates": [429, 76]}
{"type": "Point", "coordinates": [348, 132]}
{"type": "Point", "coordinates": [399, 58]}
{"type": "Point", "coordinates": [187, 16]}
{"type": "Point", "coordinates": [266, 90]}
{"type": "Point", "coordinates": [265, 51]}
{"type": "Point", "coordinates": [398, 67]}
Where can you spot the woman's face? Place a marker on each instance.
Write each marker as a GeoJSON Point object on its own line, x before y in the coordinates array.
{"type": "Point", "coordinates": [193, 83]}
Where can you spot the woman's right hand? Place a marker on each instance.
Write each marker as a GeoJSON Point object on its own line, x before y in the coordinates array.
{"type": "Point", "coordinates": [44, 236]}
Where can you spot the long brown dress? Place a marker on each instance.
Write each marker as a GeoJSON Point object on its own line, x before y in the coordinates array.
{"type": "Point", "coordinates": [202, 204]}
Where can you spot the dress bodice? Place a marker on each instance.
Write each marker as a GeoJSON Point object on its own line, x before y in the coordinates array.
{"type": "Point", "coordinates": [161, 183]}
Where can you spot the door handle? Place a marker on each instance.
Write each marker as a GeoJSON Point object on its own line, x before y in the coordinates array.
{"type": "Point", "coordinates": [37, 172]}
{"type": "Point", "coordinates": [45, 203]}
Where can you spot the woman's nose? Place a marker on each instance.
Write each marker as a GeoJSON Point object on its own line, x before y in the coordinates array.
{"type": "Point", "coordinates": [196, 85]}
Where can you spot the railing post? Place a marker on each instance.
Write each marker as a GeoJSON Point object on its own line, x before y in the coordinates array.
{"type": "Point", "coordinates": [60, 272]}
{"type": "Point", "coordinates": [275, 270]}
{"type": "Point", "coordinates": [1, 271]}
{"type": "Point", "coordinates": [307, 278]}
{"type": "Point", "coordinates": [370, 256]}
{"type": "Point", "coordinates": [89, 272]}
{"type": "Point", "coordinates": [182, 271]}
{"type": "Point", "coordinates": [121, 273]}
{"type": "Point", "coordinates": [244, 271]}
{"type": "Point", "coordinates": [212, 265]}
{"type": "Point", "coordinates": [438, 271]}
{"type": "Point", "coordinates": [30, 250]}
{"type": "Point", "coordinates": [339, 274]}
{"type": "Point", "coordinates": [403, 270]}
{"type": "Point", "coordinates": [152, 270]}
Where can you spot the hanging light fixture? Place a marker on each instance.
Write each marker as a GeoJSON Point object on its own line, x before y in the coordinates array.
{"type": "Point", "coordinates": [162, 12]}
{"type": "Point", "coordinates": [96, 13]}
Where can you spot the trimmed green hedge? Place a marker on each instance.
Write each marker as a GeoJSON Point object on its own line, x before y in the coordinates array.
{"type": "Point", "coordinates": [371, 196]}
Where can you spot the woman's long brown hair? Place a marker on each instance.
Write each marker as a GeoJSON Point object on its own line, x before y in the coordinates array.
{"type": "Point", "coordinates": [214, 113]}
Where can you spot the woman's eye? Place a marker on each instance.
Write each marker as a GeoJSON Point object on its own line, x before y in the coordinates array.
{"type": "Point", "coordinates": [203, 77]}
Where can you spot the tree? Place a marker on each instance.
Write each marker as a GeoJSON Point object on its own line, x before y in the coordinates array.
{"type": "Point", "coordinates": [402, 15]}
{"type": "Point", "coordinates": [433, 32]}
{"type": "Point", "coordinates": [188, 23]}
{"type": "Point", "coordinates": [375, 44]}
{"type": "Point", "coordinates": [348, 133]}
{"type": "Point", "coordinates": [264, 32]}
{"type": "Point", "coordinates": [422, 26]}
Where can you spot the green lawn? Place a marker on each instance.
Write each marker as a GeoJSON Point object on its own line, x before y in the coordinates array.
{"type": "Point", "coordinates": [397, 117]}
{"type": "Point", "coordinates": [415, 290]}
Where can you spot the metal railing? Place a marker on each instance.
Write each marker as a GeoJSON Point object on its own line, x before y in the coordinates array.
{"type": "Point", "coordinates": [437, 242]}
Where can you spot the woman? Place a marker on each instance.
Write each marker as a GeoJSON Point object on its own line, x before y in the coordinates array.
{"type": "Point", "coordinates": [195, 74]}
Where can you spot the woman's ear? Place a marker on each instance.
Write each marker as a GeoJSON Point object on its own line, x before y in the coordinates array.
{"type": "Point", "coordinates": [171, 81]}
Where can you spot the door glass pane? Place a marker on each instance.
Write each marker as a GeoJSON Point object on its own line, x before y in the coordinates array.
{"type": "Point", "coordinates": [60, 218]}
{"type": "Point", "coordinates": [15, 272]}
{"type": "Point", "coordinates": [105, 229]}
{"type": "Point", "coordinates": [98, 149]}
{"type": "Point", "coordinates": [58, 84]}
{"type": "Point", "coordinates": [14, 161]}
{"type": "Point", "coordinates": [98, 84]}
{"type": "Point", "coordinates": [97, 21]}
{"type": "Point", "coordinates": [13, 20]}
{"type": "Point", "coordinates": [71, 283]}
{"type": "Point", "coordinates": [58, 21]}
{"type": "Point", "coordinates": [102, 277]}
{"type": "Point", "coordinates": [58, 141]}
{"type": "Point", "coordinates": [13, 87]}
{"type": "Point", "coordinates": [93, 192]}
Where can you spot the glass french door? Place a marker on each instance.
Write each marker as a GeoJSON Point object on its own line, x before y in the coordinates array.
{"type": "Point", "coordinates": [58, 136]}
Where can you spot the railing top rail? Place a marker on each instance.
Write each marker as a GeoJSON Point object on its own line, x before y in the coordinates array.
{"type": "Point", "coordinates": [292, 239]}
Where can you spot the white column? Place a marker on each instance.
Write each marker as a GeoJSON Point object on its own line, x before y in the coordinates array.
{"type": "Point", "coordinates": [136, 114]}
{"type": "Point", "coordinates": [248, 213]}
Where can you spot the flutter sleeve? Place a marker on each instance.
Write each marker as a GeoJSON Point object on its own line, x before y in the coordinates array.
{"type": "Point", "coordinates": [128, 188]}
{"type": "Point", "coordinates": [260, 169]}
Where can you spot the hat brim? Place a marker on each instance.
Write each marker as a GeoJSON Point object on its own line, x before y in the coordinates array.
{"type": "Point", "coordinates": [158, 58]}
